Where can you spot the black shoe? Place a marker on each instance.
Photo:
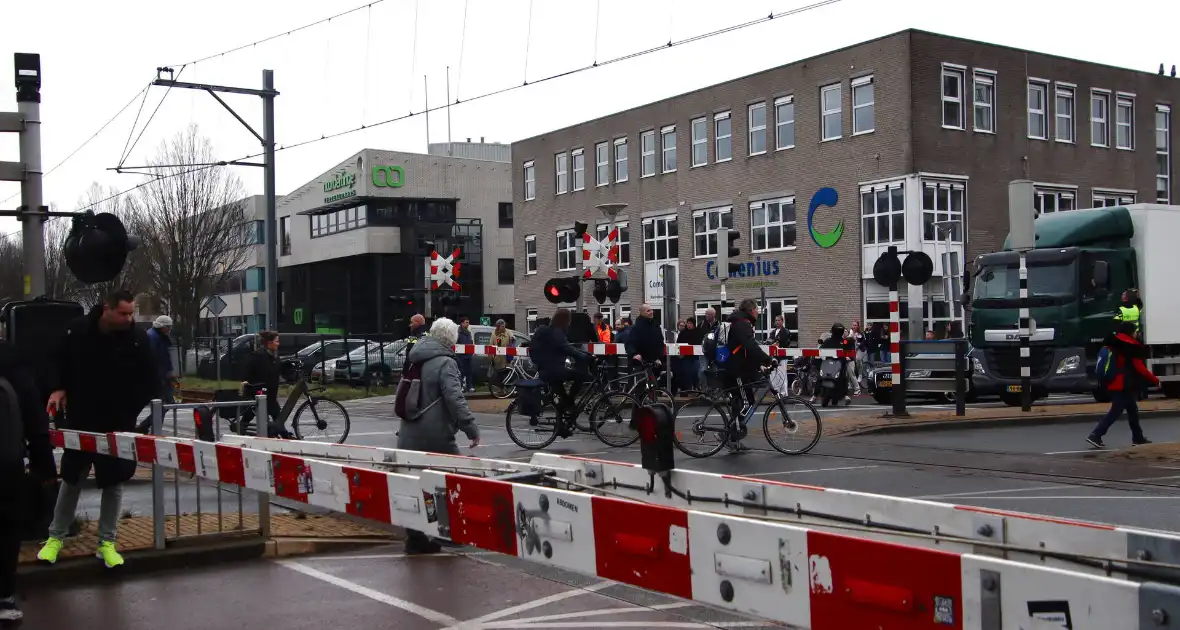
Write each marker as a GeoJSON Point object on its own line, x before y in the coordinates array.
{"type": "Point", "coordinates": [1096, 442]}
{"type": "Point", "coordinates": [1141, 441]}
{"type": "Point", "coordinates": [9, 612]}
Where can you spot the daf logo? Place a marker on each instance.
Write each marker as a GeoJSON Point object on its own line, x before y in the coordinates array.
{"type": "Point", "coordinates": [1011, 336]}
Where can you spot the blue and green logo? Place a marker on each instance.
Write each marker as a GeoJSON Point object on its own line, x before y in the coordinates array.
{"type": "Point", "coordinates": [824, 197]}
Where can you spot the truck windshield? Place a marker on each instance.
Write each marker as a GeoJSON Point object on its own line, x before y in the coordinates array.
{"type": "Point", "coordinates": [1048, 283]}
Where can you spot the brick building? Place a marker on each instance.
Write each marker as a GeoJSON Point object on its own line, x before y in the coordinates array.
{"type": "Point", "coordinates": [917, 133]}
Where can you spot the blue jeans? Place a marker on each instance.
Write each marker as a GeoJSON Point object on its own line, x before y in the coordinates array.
{"type": "Point", "coordinates": [1118, 402]}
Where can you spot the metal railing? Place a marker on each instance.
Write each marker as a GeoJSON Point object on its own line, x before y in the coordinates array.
{"type": "Point", "coordinates": [937, 367]}
{"type": "Point", "coordinates": [166, 421]}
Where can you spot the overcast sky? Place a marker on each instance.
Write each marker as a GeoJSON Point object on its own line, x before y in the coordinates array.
{"type": "Point", "coordinates": [363, 68]}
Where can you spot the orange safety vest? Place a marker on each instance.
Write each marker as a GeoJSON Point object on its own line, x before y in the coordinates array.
{"type": "Point", "coordinates": [604, 335]}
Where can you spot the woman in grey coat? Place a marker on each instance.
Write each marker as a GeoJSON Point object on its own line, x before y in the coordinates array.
{"type": "Point", "coordinates": [445, 410]}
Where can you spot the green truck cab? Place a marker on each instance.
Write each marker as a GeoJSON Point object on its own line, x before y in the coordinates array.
{"type": "Point", "coordinates": [1082, 262]}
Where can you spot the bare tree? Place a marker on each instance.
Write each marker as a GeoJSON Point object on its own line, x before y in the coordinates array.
{"type": "Point", "coordinates": [191, 220]}
{"type": "Point", "coordinates": [12, 269]}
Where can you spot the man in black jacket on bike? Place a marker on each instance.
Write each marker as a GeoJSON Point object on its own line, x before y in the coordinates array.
{"type": "Point", "coordinates": [746, 361]}
{"type": "Point", "coordinates": [548, 350]}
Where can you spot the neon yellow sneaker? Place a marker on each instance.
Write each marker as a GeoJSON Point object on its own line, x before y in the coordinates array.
{"type": "Point", "coordinates": [108, 554]}
{"type": "Point", "coordinates": [50, 550]}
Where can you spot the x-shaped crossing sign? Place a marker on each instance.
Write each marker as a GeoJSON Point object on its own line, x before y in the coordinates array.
{"type": "Point", "coordinates": [444, 270]}
{"type": "Point", "coordinates": [598, 256]}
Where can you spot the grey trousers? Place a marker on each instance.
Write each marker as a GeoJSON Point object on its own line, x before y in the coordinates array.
{"type": "Point", "coordinates": [67, 509]}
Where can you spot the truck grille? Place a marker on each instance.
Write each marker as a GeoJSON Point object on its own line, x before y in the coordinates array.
{"type": "Point", "coordinates": [1005, 362]}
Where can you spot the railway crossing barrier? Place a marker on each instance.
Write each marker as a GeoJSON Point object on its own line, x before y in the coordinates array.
{"type": "Point", "coordinates": [809, 557]}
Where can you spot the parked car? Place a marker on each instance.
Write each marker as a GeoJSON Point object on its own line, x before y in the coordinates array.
{"type": "Point", "coordinates": [313, 358]}
{"type": "Point", "coordinates": [380, 366]}
{"type": "Point", "coordinates": [880, 379]}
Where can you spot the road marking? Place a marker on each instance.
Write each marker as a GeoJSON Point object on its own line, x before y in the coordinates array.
{"type": "Point", "coordinates": [614, 624]}
{"type": "Point", "coordinates": [1036, 488]}
{"type": "Point", "coordinates": [544, 601]}
{"type": "Point", "coordinates": [390, 600]}
{"type": "Point", "coordinates": [386, 556]}
{"type": "Point", "coordinates": [592, 613]}
{"type": "Point", "coordinates": [1089, 450]}
{"type": "Point", "coordinates": [807, 470]}
{"type": "Point", "coordinates": [1083, 498]}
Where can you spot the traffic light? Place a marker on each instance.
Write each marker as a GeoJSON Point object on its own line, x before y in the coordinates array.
{"type": "Point", "coordinates": [97, 246]}
{"type": "Point", "coordinates": [600, 290]}
{"type": "Point", "coordinates": [727, 248]}
{"type": "Point", "coordinates": [562, 290]}
{"type": "Point", "coordinates": [405, 298]}
{"type": "Point", "coordinates": [616, 288]}
{"type": "Point", "coordinates": [580, 229]}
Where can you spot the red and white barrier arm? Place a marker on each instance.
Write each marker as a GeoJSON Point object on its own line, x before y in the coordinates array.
{"type": "Point", "coordinates": [788, 573]}
{"type": "Point", "coordinates": [671, 349]}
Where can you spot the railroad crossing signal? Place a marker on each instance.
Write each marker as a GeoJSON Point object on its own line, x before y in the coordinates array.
{"type": "Point", "coordinates": [444, 270]}
{"type": "Point", "coordinates": [599, 256]}
{"type": "Point", "coordinates": [563, 290]}
{"type": "Point", "coordinates": [889, 268]}
{"type": "Point", "coordinates": [96, 247]}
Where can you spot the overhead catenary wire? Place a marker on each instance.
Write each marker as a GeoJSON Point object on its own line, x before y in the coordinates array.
{"type": "Point", "coordinates": [150, 118]}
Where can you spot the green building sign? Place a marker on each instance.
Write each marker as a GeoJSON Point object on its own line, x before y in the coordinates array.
{"type": "Point", "coordinates": [389, 176]}
{"type": "Point", "coordinates": [341, 186]}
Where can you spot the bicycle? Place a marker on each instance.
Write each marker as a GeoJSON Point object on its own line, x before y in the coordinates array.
{"type": "Point", "coordinates": [730, 431]}
{"type": "Point", "coordinates": [598, 397]}
{"type": "Point", "coordinates": [646, 392]}
{"type": "Point", "coordinates": [502, 384]}
{"type": "Point", "coordinates": [319, 408]}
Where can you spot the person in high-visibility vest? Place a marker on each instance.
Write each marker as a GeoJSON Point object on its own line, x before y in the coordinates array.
{"type": "Point", "coordinates": [1131, 309]}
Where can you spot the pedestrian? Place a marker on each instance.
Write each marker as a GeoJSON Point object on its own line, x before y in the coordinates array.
{"type": "Point", "coordinates": [444, 409]}
{"type": "Point", "coordinates": [464, 360]}
{"type": "Point", "coordinates": [1125, 373]}
{"type": "Point", "coordinates": [24, 433]}
{"type": "Point", "coordinates": [262, 370]}
{"type": "Point", "coordinates": [1130, 309]}
{"type": "Point", "coordinates": [104, 375]}
{"type": "Point", "coordinates": [160, 342]}
{"type": "Point", "coordinates": [501, 338]}
{"type": "Point", "coordinates": [692, 364]}
{"type": "Point", "coordinates": [602, 330]}
{"type": "Point", "coordinates": [645, 344]}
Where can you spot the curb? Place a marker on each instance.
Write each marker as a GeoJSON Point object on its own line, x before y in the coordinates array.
{"type": "Point", "coordinates": [1012, 421]}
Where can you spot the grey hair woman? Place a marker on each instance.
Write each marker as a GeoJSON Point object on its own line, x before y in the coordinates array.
{"type": "Point", "coordinates": [444, 409]}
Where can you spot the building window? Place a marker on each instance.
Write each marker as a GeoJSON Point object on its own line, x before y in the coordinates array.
{"type": "Point", "coordinates": [784, 122]}
{"type": "Point", "coordinates": [1051, 199]}
{"type": "Point", "coordinates": [1100, 118]}
{"type": "Point", "coordinates": [702, 306]}
{"type": "Point", "coordinates": [624, 241]}
{"type": "Point", "coordinates": [984, 92]}
{"type": "Point", "coordinates": [877, 311]}
{"type": "Point", "coordinates": [882, 210]}
{"type": "Point", "coordinates": [505, 214]}
{"type": "Point", "coordinates": [255, 233]}
{"type": "Point", "coordinates": [530, 320]}
{"type": "Point", "coordinates": [864, 106]}
{"type": "Point", "coordinates": [831, 107]}
{"type": "Point", "coordinates": [504, 271]}
{"type": "Point", "coordinates": [772, 224]}
{"type": "Point", "coordinates": [661, 239]}
{"type": "Point", "coordinates": [668, 144]}
{"type": "Point", "coordinates": [1163, 154]}
{"type": "Point", "coordinates": [256, 279]}
{"type": "Point", "coordinates": [1037, 122]}
{"type": "Point", "coordinates": [704, 229]}
{"type": "Point", "coordinates": [530, 254]}
{"type": "Point", "coordinates": [700, 141]}
{"type": "Point", "coordinates": [601, 164]}
{"type": "Point", "coordinates": [757, 128]}
{"type": "Point", "coordinates": [579, 169]}
{"type": "Point", "coordinates": [942, 203]}
{"type": "Point", "coordinates": [530, 181]}
{"type": "Point", "coordinates": [1124, 125]}
{"type": "Point", "coordinates": [647, 150]}
{"type": "Point", "coordinates": [722, 137]}
{"type": "Point", "coordinates": [285, 236]}
{"type": "Point", "coordinates": [339, 221]}
{"type": "Point", "coordinates": [952, 97]}
{"type": "Point", "coordinates": [1063, 114]}
{"type": "Point", "coordinates": [1111, 198]}
{"type": "Point", "coordinates": [620, 160]}
{"type": "Point", "coordinates": [567, 251]}
{"type": "Point", "coordinates": [561, 169]}
{"type": "Point", "coordinates": [773, 308]}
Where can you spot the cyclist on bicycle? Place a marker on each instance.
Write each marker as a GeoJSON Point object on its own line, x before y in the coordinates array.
{"type": "Point", "coordinates": [645, 344]}
{"type": "Point", "coordinates": [549, 348]}
{"type": "Point", "coordinates": [261, 369]}
{"type": "Point", "coordinates": [746, 361]}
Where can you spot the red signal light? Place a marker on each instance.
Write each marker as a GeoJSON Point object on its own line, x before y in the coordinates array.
{"type": "Point", "coordinates": [554, 291]}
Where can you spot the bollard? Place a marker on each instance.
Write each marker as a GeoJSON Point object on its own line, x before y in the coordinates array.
{"type": "Point", "coordinates": [158, 480]}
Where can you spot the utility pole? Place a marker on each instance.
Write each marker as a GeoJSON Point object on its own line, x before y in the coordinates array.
{"type": "Point", "coordinates": [27, 122]}
{"type": "Point", "coordinates": [1023, 239]}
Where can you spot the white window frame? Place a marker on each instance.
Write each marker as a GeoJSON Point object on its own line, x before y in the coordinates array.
{"type": "Point", "coordinates": [1107, 198]}
{"type": "Point", "coordinates": [860, 83]}
{"type": "Point", "coordinates": [578, 159]}
{"type": "Point", "coordinates": [1065, 120]}
{"type": "Point", "coordinates": [603, 230]}
{"type": "Point", "coordinates": [981, 77]}
{"type": "Point", "coordinates": [768, 226]}
{"type": "Point", "coordinates": [952, 187]}
{"type": "Point", "coordinates": [666, 220]}
{"type": "Point", "coordinates": [561, 172]}
{"type": "Point", "coordinates": [665, 133]}
{"type": "Point", "coordinates": [601, 164]}
{"type": "Point", "coordinates": [1103, 96]}
{"type": "Point", "coordinates": [1058, 193]}
{"type": "Point", "coordinates": [700, 140]}
{"type": "Point", "coordinates": [753, 131]}
{"type": "Point", "coordinates": [838, 112]}
{"type": "Point", "coordinates": [720, 214]}
{"type": "Point", "coordinates": [530, 180]}
{"type": "Point", "coordinates": [718, 138]}
{"type": "Point", "coordinates": [530, 320]}
{"type": "Point", "coordinates": [621, 165]}
{"type": "Point", "coordinates": [782, 122]}
{"type": "Point", "coordinates": [570, 250]}
{"type": "Point", "coordinates": [786, 305]}
{"type": "Point", "coordinates": [1165, 152]}
{"type": "Point", "coordinates": [890, 213]}
{"type": "Point", "coordinates": [959, 74]}
{"type": "Point", "coordinates": [530, 258]}
{"type": "Point", "coordinates": [700, 306]}
{"type": "Point", "coordinates": [644, 154]}
{"type": "Point", "coordinates": [1124, 100]}
{"type": "Point", "coordinates": [1042, 86]}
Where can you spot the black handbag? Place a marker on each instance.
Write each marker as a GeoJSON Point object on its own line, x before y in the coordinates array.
{"type": "Point", "coordinates": [530, 394]}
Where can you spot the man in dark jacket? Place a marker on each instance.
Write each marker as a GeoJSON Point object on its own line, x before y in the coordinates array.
{"type": "Point", "coordinates": [160, 342]}
{"type": "Point", "coordinates": [645, 343]}
{"type": "Point", "coordinates": [264, 368]}
{"type": "Point", "coordinates": [746, 361]}
{"type": "Point", "coordinates": [549, 348]}
{"type": "Point", "coordinates": [1130, 377]}
{"type": "Point", "coordinates": [464, 360]}
{"type": "Point", "coordinates": [104, 376]}
{"type": "Point", "coordinates": [24, 432]}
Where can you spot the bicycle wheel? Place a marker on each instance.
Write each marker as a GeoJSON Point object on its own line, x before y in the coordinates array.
{"type": "Point", "coordinates": [701, 424]}
{"type": "Point", "coordinates": [660, 396]}
{"type": "Point", "coordinates": [611, 419]}
{"type": "Point", "coordinates": [502, 384]}
{"type": "Point", "coordinates": [591, 400]}
{"type": "Point", "coordinates": [532, 433]}
{"type": "Point", "coordinates": [321, 420]}
{"type": "Point", "coordinates": [792, 418]}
